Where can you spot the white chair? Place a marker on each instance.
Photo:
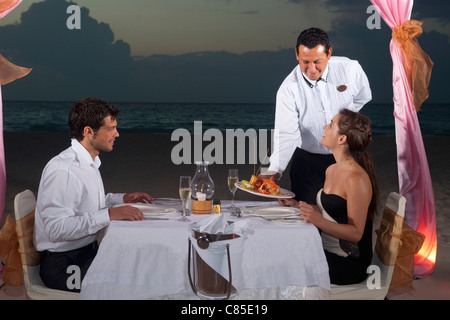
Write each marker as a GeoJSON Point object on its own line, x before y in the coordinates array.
{"type": "Point", "coordinates": [24, 205]}
{"type": "Point", "coordinates": [394, 212]}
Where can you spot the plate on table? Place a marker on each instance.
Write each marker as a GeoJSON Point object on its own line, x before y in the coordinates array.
{"type": "Point", "coordinates": [167, 201]}
{"type": "Point", "coordinates": [284, 194]}
{"type": "Point", "coordinates": [150, 210]}
{"type": "Point", "coordinates": [272, 212]}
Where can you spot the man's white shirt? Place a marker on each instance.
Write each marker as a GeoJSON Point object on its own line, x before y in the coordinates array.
{"type": "Point", "coordinates": [71, 205]}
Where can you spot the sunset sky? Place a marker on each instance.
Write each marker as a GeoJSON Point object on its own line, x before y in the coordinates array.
{"type": "Point", "coordinates": [198, 50]}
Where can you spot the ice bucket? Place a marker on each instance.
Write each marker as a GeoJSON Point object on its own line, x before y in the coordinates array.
{"type": "Point", "coordinates": [204, 280]}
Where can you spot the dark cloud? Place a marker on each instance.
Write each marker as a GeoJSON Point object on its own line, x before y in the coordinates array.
{"type": "Point", "coordinates": [65, 62]}
{"type": "Point", "coordinates": [214, 76]}
{"type": "Point", "coordinates": [70, 64]}
{"type": "Point", "coordinates": [438, 9]}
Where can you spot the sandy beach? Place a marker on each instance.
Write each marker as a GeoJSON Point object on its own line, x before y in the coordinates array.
{"type": "Point", "coordinates": [142, 162]}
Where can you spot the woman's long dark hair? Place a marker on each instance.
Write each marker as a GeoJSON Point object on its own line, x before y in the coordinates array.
{"type": "Point", "coordinates": [357, 128]}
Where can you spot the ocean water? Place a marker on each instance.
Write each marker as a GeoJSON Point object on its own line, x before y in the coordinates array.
{"type": "Point", "coordinates": [40, 116]}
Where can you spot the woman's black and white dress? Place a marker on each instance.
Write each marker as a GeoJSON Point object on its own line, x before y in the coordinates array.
{"type": "Point", "coordinates": [347, 261]}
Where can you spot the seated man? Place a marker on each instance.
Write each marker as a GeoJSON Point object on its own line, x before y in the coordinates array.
{"type": "Point", "coordinates": [71, 205]}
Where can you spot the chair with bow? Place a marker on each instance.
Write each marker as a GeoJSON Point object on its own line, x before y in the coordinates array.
{"type": "Point", "coordinates": [376, 286]}
{"type": "Point", "coordinates": [24, 205]}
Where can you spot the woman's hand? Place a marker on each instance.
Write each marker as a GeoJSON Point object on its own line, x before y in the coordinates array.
{"type": "Point", "coordinates": [310, 213]}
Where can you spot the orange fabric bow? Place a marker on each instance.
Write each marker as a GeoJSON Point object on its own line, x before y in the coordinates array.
{"type": "Point", "coordinates": [9, 252]}
{"type": "Point", "coordinates": [10, 72]}
{"type": "Point", "coordinates": [6, 5]}
{"type": "Point", "coordinates": [417, 63]}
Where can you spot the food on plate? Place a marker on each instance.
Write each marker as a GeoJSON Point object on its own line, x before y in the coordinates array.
{"type": "Point", "coordinates": [264, 186]}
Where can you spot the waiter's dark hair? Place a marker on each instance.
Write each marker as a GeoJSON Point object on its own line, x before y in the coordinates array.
{"type": "Point", "coordinates": [89, 112]}
{"type": "Point", "coordinates": [357, 128]}
{"type": "Point", "coordinates": [313, 37]}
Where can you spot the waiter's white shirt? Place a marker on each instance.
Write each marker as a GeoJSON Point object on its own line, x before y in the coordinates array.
{"type": "Point", "coordinates": [71, 205]}
{"type": "Point", "coordinates": [304, 107]}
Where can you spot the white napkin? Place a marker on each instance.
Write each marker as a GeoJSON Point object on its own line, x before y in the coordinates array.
{"type": "Point", "coordinates": [216, 254]}
{"type": "Point", "coordinates": [239, 227]}
{"type": "Point", "coordinates": [213, 224]}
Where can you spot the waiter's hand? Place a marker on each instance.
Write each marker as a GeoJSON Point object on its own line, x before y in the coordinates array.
{"type": "Point", "coordinates": [270, 175]}
{"type": "Point", "coordinates": [137, 197]}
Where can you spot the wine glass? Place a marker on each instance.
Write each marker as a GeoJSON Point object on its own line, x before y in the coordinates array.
{"type": "Point", "coordinates": [185, 194]}
{"type": "Point", "coordinates": [232, 178]}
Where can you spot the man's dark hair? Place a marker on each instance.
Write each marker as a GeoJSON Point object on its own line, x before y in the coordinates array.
{"type": "Point", "coordinates": [313, 37]}
{"type": "Point", "coordinates": [89, 112]}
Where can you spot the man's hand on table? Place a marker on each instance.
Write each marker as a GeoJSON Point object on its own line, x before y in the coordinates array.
{"type": "Point", "coordinates": [130, 212]}
{"type": "Point", "coordinates": [136, 197]}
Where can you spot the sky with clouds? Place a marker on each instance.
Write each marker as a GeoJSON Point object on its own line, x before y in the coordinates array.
{"type": "Point", "coordinates": [198, 50]}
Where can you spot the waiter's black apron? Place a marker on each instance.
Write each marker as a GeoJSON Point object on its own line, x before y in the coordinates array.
{"type": "Point", "coordinates": [308, 174]}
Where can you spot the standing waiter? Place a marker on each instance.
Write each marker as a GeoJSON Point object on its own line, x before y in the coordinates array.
{"type": "Point", "coordinates": [310, 96]}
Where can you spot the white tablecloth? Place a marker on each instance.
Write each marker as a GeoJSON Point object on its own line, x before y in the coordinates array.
{"type": "Point", "coordinates": [148, 260]}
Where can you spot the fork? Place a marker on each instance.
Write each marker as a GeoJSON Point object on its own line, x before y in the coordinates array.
{"type": "Point", "coordinates": [295, 217]}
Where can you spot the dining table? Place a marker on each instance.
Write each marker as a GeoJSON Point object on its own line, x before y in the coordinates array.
{"type": "Point", "coordinates": [148, 259]}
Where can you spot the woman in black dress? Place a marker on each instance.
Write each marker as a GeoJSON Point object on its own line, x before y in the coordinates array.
{"type": "Point", "coordinates": [347, 202]}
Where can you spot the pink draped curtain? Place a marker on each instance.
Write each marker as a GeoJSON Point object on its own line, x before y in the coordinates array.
{"type": "Point", "coordinates": [413, 171]}
{"type": "Point", "coordinates": [8, 73]}
{"type": "Point", "coordinates": [2, 162]}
